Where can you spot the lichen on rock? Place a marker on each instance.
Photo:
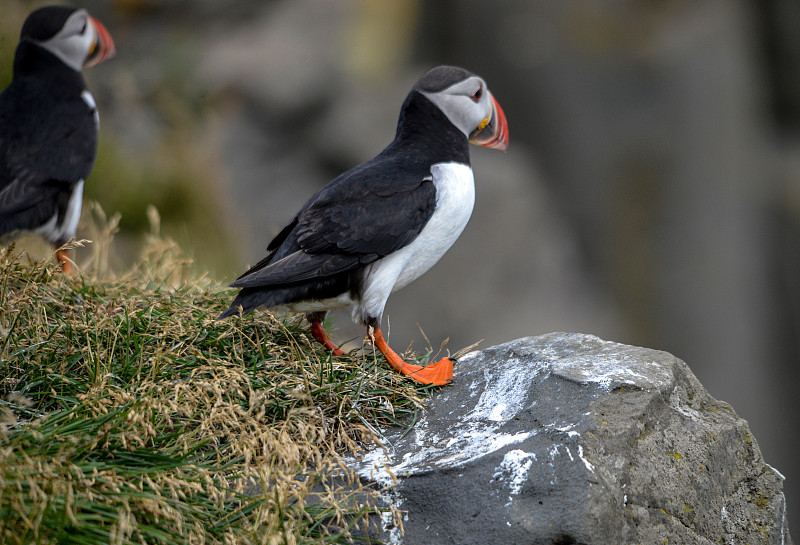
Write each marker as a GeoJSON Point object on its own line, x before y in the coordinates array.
{"type": "Point", "coordinates": [570, 438]}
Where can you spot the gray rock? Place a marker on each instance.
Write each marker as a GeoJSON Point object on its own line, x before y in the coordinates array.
{"type": "Point", "coordinates": [566, 438]}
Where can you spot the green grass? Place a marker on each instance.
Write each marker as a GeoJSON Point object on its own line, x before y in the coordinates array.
{"type": "Point", "coordinates": [128, 414]}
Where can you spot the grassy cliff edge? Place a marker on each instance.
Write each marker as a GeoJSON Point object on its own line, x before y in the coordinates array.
{"type": "Point", "coordinates": [128, 414]}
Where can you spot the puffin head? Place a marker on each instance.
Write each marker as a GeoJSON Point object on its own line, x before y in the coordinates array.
{"type": "Point", "coordinates": [72, 35]}
{"type": "Point", "coordinates": [466, 101]}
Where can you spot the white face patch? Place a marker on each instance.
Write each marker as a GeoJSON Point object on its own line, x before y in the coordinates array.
{"type": "Point", "coordinates": [466, 103]}
{"type": "Point", "coordinates": [73, 41]}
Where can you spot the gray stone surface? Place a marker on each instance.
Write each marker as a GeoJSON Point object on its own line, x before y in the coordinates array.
{"type": "Point", "coordinates": [647, 195]}
{"type": "Point", "coordinates": [566, 438]}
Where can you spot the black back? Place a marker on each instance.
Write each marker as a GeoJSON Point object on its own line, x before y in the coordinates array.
{"type": "Point", "coordinates": [48, 134]}
{"type": "Point", "coordinates": [372, 210]}
{"type": "Point", "coordinates": [366, 213]}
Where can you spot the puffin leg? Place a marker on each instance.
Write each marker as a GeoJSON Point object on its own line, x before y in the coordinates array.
{"type": "Point", "coordinates": [63, 258]}
{"type": "Point", "coordinates": [439, 373]}
{"type": "Point", "coordinates": [318, 332]}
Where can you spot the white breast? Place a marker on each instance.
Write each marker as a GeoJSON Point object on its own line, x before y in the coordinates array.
{"type": "Point", "coordinates": [455, 198]}
{"type": "Point", "coordinates": [89, 100]}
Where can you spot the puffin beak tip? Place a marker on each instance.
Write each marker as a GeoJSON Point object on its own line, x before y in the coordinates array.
{"type": "Point", "coordinates": [104, 48]}
{"type": "Point", "coordinates": [495, 134]}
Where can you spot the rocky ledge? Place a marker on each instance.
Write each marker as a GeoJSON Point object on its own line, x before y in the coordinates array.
{"type": "Point", "coordinates": [567, 438]}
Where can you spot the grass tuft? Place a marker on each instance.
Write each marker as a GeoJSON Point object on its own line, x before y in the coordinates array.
{"type": "Point", "coordinates": [128, 414]}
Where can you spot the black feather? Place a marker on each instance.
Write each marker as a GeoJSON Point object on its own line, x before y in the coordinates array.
{"type": "Point", "coordinates": [48, 139]}
{"type": "Point", "coordinates": [366, 213]}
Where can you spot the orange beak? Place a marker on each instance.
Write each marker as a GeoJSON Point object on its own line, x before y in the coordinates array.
{"type": "Point", "coordinates": [494, 130]}
{"type": "Point", "coordinates": [103, 47]}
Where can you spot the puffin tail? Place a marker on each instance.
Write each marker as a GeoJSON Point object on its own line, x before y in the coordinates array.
{"type": "Point", "coordinates": [230, 312]}
{"type": "Point", "coordinates": [318, 289]}
{"type": "Point", "coordinates": [249, 299]}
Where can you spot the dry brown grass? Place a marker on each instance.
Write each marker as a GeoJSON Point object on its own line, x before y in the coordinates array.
{"type": "Point", "coordinates": [130, 415]}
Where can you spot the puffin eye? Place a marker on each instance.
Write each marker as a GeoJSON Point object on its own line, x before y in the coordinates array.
{"type": "Point", "coordinates": [478, 94]}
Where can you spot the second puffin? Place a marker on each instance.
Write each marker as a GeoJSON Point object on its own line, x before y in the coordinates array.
{"type": "Point", "coordinates": [48, 125]}
{"type": "Point", "coordinates": [377, 227]}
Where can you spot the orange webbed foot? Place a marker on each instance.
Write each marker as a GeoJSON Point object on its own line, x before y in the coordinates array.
{"type": "Point", "coordinates": [439, 373]}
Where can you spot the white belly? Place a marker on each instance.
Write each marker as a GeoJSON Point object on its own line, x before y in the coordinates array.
{"type": "Point", "coordinates": [455, 198]}
{"type": "Point", "coordinates": [316, 305]}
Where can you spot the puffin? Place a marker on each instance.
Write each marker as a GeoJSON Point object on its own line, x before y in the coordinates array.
{"type": "Point", "coordinates": [381, 225]}
{"type": "Point", "coordinates": [48, 125]}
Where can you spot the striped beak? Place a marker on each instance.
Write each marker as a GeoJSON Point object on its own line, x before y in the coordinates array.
{"type": "Point", "coordinates": [102, 47]}
{"type": "Point", "coordinates": [493, 132]}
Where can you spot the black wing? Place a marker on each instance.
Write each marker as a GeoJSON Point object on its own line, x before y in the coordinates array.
{"type": "Point", "coordinates": [27, 206]}
{"type": "Point", "coordinates": [364, 214]}
{"type": "Point", "coordinates": [48, 142]}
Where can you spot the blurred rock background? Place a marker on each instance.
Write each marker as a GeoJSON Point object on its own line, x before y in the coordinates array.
{"type": "Point", "coordinates": [651, 193]}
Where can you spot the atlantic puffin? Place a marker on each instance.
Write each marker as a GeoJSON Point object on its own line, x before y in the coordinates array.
{"type": "Point", "coordinates": [48, 125]}
{"type": "Point", "coordinates": [377, 227]}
